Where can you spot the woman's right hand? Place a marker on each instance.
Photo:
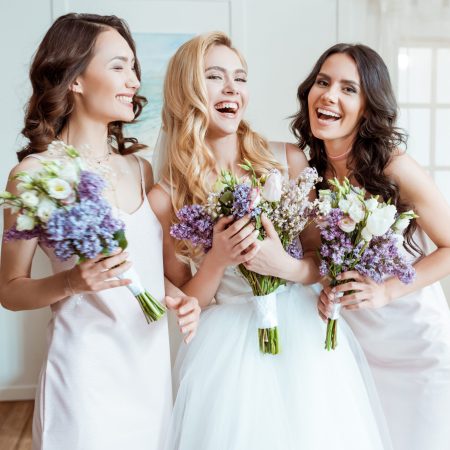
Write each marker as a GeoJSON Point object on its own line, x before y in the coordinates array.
{"type": "Point", "coordinates": [233, 243]}
{"type": "Point", "coordinates": [98, 273]}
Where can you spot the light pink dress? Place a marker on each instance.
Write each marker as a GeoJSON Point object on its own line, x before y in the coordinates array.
{"type": "Point", "coordinates": [106, 379]}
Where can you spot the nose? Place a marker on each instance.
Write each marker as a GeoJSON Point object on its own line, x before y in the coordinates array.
{"type": "Point", "coordinates": [330, 95]}
{"type": "Point", "coordinates": [230, 87]}
{"type": "Point", "coordinates": [132, 81]}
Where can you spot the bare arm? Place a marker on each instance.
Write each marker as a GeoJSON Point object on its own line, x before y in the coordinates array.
{"type": "Point", "coordinates": [272, 259]}
{"type": "Point", "coordinates": [229, 243]}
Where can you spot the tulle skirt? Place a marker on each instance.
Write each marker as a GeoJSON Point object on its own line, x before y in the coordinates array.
{"type": "Point", "coordinates": [230, 396]}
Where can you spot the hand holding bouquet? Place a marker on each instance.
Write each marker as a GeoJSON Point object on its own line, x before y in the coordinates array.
{"type": "Point", "coordinates": [285, 203]}
{"type": "Point", "coordinates": [61, 204]}
{"type": "Point", "coordinates": [361, 234]}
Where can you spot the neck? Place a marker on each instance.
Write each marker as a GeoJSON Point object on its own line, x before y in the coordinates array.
{"type": "Point", "coordinates": [338, 153]}
{"type": "Point", "coordinates": [80, 132]}
{"type": "Point", "coordinates": [225, 150]}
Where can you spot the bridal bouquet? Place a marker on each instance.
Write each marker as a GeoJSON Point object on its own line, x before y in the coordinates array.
{"type": "Point", "coordinates": [61, 204]}
{"type": "Point", "coordinates": [285, 203]}
{"type": "Point", "coordinates": [362, 234]}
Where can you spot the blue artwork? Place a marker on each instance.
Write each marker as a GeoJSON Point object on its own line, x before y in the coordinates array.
{"type": "Point", "coordinates": [154, 51]}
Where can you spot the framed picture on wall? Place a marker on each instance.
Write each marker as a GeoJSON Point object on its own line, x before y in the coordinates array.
{"type": "Point", "coordinates": [159, 28]}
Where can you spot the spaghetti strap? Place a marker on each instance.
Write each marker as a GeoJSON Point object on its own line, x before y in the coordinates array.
{"type": "Point", "coordinates": [279, 152]}
{"type": "Point", "coordinates": [35, 156]}
{"type": "Point", "coordinates": [141, 172]}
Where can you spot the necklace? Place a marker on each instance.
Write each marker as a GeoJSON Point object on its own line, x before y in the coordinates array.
{"type": "Point", "coordinates": [338, 157]}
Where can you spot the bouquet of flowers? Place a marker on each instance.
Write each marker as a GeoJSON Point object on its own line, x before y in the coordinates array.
{"type": "Point", "coordinates": [362, 234]}
{"type": "Point", "coordinates": [285, 203]}
{"type": "Point", "coordinates": [61, 204]}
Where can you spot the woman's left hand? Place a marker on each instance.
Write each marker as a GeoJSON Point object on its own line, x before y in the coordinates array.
{"type": "Point", "coordinates": [271, 256]}
{"type": "Point", "coordinates": [188, 311]}
{"type": "Point", "coordinates": [366, 293]}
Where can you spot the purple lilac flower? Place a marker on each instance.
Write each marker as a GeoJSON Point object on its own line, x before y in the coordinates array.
{"type": "Point", "coordinates": [85, 230]}
{"type": "Point", "coordinates": [13, 234]}
{"type": "Point", "coordinates": [241, 201]}
{"type": "Point", "coordinates": [90, 186]}
{"type": "Point", "coordinates": [294, 249]}
{"type": "Point", "coordinates": [195, 225]}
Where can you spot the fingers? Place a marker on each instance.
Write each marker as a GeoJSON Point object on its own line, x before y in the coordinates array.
{"type": "Point", "coordinates": [111, 261]}
{"type": "Point", "coordinates": [113, 284]}
{"type": "Point", "coordinates": [350, 286]}
{"type": "Point", "coordinates": [222, 223]}
{"type": "Point", "coordinates": [268, 227]}
{"type": "Point", "coordinates": [172, 303]}
{"type": "Point", "coordinates": [189, 331]}
{"type": "Point", "coordinates": [188, 305]}
{"type": "Point", "coordinates": [101, 256]}
{"type": "Point", "coordinates": [242, 234]}
{"type": "Point", "coordinates": [250, 254]}
{"type": "Point", "coordinates": [352, 274]}
{"type": "Point", "coordinates": [117, 270]}
{"type": "Point", "coordinates": [352, 299]}
{"type": "Point", "coordinates": [245, 243]}
{"type": "Point", "coordinates": [238, 225]}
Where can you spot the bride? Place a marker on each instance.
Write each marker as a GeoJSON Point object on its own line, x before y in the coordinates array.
{"type": "Point", "coordinates": [230, 395]}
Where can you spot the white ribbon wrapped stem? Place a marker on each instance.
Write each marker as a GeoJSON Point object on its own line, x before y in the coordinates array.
{"type": "Point", "coordinates": [266, 310]}
{"type": "Point", "coordinates": [135, 287]}
{"type": "Point", "coordinates": [336, 307]}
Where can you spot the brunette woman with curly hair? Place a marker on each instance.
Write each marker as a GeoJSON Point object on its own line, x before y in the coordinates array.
{"type": "Point", "coordinates": [106, 381]}
{"type": "Point", "coordinates": [347, 119]}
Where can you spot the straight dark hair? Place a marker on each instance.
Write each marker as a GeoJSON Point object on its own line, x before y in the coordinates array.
{"type": "Point", "coordinates": [377, 136]}
{"type": "Point", "coordinates": [64, 54]}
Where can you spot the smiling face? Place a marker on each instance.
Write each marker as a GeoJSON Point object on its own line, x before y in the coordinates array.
{"type": "Point", "coordinates": [106, 88]}
{"type": "Point", "coordinates": [336, 101]}
{"type": "Point", "coordinates": [226, 89]}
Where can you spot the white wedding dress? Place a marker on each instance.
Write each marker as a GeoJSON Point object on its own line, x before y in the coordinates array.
{"type": "Point", "coordinates": [232, 397]}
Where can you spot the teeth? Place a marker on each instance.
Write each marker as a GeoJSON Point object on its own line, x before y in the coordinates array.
{"type": "Point", "coordinates": [228, 105]}
{"type": "Point", "coordinates": [124, 99]}
{"type": "Point", "coordinates": [328, 113]}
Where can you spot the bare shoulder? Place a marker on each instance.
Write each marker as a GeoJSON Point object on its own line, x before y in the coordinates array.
{"type": "Point", "coordinates": [161, 203]}
{"type": "Point", "coordinates": [296, 160]}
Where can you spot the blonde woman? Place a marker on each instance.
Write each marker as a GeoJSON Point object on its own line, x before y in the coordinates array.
{"type": "Point", "coordinates": [230, 396]}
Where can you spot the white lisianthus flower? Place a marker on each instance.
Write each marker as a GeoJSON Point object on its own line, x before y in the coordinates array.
{"type": "Point", "coordinates": [347, 224]}
{"type": "Point", "coordinates": [273, 187]}
{"type": "Point", "coordinates": [356, 211]}
{"type": "Point", "coordinates": [30, 198]}
{"type": "Point", "coordinates": [69, 173]}
{"type": "Point", "coordinates": [58, 188]}
{"type": "Point", "coordinates": [45, 209]}
{"type": "Point", "coordinates": [401, 225]}
{"type": "Point", "coordinates": [25, 222]}
{"type": "Point", "coordinates": [366, 235]}
{"type": "Point", "coordinates": [371, 204]}
{"type": "Point", "coordinates": [344, 205]}
{"type": "Point", "coordinates": [381, 220]}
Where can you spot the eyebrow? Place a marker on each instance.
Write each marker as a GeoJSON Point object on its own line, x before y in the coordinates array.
{"type": "Point", "coordinates": [122, 58]}
{"type": "Point", "coordinates": [324, 75]}
{"type": "Point", "coordinates": [221, 69]}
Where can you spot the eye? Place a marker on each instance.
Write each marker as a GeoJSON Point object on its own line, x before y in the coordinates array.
{"type": "Point", "coordinates": [241, 80]}
{"type": "Point", "coordinates": [213, 77]}
{"type": "Point", "coordinates": [350, 89]}
{"type": "Point", "coordinates": [118, 68]}
{"type": "Point", "coordinates": [321, 82]}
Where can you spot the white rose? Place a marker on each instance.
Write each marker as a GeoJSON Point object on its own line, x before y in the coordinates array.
{"type": "Point", "coordinates": [381, 220]}
{"type": "Point", "coordinates": [372, 204]}
{"type": "Point", "coordinates": [401, 225]}
{"type": "Point", "coordinates": [356, 211]}
{"type": "Point", "coordinates": [347, 224]}
{"type": "Point", "coordinates": [344, 205]}
{"type": "Point", "coordinates": [45, 209]}
{"type": "Point", "coordinates": [24, 222]}
{"type": "Point", "coordinates": [69, 173]}
{"type": "Point", "coordinates": [58, 188]}
{"type": "Point", "coordinates": [272, 187]}
{"type": "Point", "coordinates": [366, 235]}
{"type": "Point", "coordinates": [30, 198]}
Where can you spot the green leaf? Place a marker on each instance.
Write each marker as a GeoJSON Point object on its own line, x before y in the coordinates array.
{"type": "Point", "coordinates": [119, 236]}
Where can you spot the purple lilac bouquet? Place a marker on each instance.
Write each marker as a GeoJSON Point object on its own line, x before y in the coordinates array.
{"type": "Point", "coordinates": [362, 234]}
{"type": "Point", "coordinates": [62, 205]}
{"type": "Point", "coordinates": [285, 203]}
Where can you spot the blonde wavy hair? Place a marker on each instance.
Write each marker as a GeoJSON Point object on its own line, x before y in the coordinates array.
{"type": "Point", "coordinates": [189, 162]}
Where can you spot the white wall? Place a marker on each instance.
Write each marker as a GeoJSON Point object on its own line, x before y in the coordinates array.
{"type": "Point", "coordinates": [282, 39]}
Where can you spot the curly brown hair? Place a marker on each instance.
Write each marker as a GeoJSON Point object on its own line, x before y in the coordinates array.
{"type": "Point", "coordinates": [377, 137]}
{"type": "Point", "coordinates": [64, 54]}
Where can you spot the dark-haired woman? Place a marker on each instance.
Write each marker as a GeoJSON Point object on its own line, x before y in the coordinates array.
{"type": "Point", "coordinates": [347, 120]}
{"type": "Point", "coordinates": [105, 382]}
